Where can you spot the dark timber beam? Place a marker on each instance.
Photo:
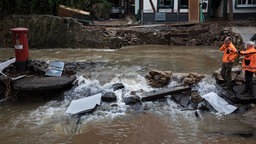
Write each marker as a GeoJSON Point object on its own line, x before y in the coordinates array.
{"type": "Point", "coordinates": [161, 93]}
{"type": "Point", "coordinates": [152, 5]}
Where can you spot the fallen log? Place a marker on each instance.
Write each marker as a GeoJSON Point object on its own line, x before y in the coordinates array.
{"type": "Point", "coordinates": [164, 92]}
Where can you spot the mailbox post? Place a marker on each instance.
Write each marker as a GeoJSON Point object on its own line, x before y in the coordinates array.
{"type": "Point", "coordinates": [20, 41]}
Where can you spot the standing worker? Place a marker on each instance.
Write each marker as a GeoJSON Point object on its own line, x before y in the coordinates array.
{"type": "Point", "coordinates": [230, 53]}
{"type": "Point", "coordinates": [249, 66]}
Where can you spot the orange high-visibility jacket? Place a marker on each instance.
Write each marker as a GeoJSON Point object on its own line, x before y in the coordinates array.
{"type": "Point", "coordinates": [230, 53]}
{"type": "Point", "coordinates": [249, 61]}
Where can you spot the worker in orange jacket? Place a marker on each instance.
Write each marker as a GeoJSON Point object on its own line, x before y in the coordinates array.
{"type": "Point", "coordinates": [230, 53]}
{"type": "Point", "coordinates": [249, 65]}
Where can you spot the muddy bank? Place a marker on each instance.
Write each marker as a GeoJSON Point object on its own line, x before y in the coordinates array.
{"type": "Point", "coordinates": [55, 32]}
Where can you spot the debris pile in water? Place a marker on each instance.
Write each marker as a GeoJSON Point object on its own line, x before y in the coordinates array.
{"type": "Point", "coordinates": [15, 84]}
{"type": "Point", "coordinates": [192, 78]}
{"type": "Point", "coordinates": [158, 79]}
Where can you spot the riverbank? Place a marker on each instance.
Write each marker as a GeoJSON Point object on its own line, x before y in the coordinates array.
{"type": "Point", "coordinates": [56, 32]}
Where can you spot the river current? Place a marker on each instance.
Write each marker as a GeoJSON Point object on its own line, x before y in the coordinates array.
{"type": "Point", "coordinates": [154, 122]}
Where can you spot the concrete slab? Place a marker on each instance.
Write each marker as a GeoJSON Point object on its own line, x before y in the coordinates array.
{"type": "Point", "coordinates": [84, 104]}
{"type": "Point", "coordinates": [219, 103]}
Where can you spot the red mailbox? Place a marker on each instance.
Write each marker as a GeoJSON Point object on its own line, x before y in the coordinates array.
{"type": "Point", "coordinates": [20, 40]}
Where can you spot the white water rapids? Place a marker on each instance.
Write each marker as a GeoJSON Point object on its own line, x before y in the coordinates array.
{"type": "Point", "coordinates": [153, 122]}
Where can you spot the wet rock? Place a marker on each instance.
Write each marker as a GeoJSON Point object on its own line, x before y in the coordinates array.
{"type": "Point", "coordinates": [205, 106]}
{"type": "Point", "coordinates": [131, 100]}
{"type": "Point", "coordinates": [192, 78]}
{"type": "Point", "coordinates": [242, 109]}
{"type": "Point", "coordinates": [117, 86]}
{"type": "Point", "coordinates": [195, 97]}
{"type": "Point", "coordinates": [158, 79]}
{"type": "Point", "coordinates": [138, 93]}
{"type": "Point", "coordinates": [182, 99]}
{"type": "Point", "coordinates": [68, 71]}
{"type": "Point", "coordinates": [137, 107]}
{"type": "Point", "coordinates": [109, 97]}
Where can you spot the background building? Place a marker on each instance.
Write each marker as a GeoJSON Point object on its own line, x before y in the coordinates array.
{"type": "Point", "coordinates": [152, 11]}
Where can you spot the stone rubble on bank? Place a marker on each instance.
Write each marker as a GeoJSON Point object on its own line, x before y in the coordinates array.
{"type": "Point", "coordinates": [56, 32]}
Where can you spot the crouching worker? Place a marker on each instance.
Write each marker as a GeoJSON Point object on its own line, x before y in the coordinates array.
{"type": "Point", "coordinates": [249, 66]}
{"type": "Point", "coordinates": [230, 53]}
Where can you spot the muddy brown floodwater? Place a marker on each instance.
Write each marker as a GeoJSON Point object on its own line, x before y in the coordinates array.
{"type": "Point", "coordinates": [155, 122]}
{"type": "Point", "coordinates": [174, 58]}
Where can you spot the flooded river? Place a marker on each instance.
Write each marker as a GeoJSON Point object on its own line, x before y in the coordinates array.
{"type": "Point", "coordinates": [154, 122]}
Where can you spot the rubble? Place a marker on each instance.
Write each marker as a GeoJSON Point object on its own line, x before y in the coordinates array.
{"type": "Point", "coordinates": [192, 78]}
{"type": "Point", "coordinates": [158, 79]}
{"type": "Point", "coordinates": [195, 97]}
{"type": "Point", "coordinates": [33, 82]}
{"type": "Point", "coordinates": [66, 32]}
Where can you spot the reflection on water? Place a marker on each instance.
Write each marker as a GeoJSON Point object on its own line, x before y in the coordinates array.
{"type": "Point", "coordinates": [155, 122]}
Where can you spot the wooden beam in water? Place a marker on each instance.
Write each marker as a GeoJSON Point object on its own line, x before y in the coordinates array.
{"type": "Point", "coordinates": [164, 92]}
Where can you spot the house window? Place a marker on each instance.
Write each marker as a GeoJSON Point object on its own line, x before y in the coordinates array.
{"type": "Point", "coordinates": [183, 3]}
{"type": "Point", "coordinates": [165, 4]}
{"type": "Point", "coordinates": [245, 3]}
